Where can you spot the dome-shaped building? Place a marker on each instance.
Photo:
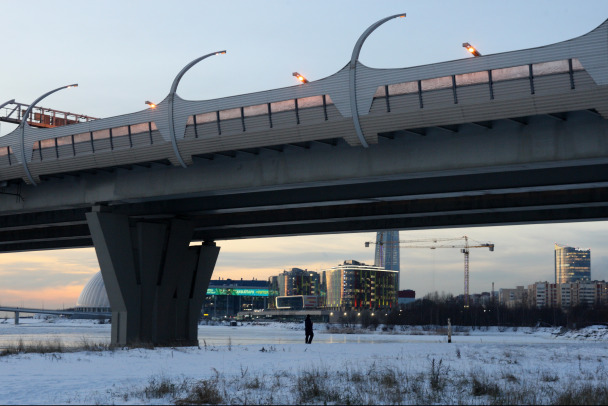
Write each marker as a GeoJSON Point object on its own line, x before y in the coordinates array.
{"type": "Point", "coordinates": [93, 297]}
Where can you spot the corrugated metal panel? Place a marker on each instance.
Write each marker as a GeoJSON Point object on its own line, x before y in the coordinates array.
{"type": "Point", "coordinates": [439, 109]}
{"type": "Point", "coordinates": [494, 110]}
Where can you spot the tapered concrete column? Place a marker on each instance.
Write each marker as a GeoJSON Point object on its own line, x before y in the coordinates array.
{"type": "Point", "coordinates": [156, 282]}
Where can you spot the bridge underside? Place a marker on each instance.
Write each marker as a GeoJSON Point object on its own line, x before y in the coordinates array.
{"type": "Point", "coordinates": [489, 199]}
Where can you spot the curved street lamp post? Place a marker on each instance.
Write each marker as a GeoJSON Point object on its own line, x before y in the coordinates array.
{"type": "Point", "coordinates": [353, 75]}
{"type": "Point", "coordinates": [23, 123]}
{"type": "Point", "coordinates": [172, 97]}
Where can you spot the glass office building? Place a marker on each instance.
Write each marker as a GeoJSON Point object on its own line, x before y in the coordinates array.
{"type": "Point", "coordinates": [572, 264]}
{"type": "Point", "coordinates": [387, 251]}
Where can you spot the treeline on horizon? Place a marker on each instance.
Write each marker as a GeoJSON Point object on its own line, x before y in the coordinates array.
{"type": "Point", "coordinates": [436, 309]}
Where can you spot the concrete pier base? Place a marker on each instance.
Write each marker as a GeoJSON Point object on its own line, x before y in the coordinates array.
{"type": "Point", "coordinates": [156, 282]}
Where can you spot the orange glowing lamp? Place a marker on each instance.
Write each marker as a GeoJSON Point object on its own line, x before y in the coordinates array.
{"type": "Point", "coordinates": [152, 105]}
{"type": "Point", "coordinates": [301, 78]}
{"type": "Point", "coordinates": [471, 49]}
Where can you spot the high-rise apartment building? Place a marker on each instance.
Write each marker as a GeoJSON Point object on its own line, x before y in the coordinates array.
{"type": "Point", "coordinates": [572, 264]}
{"type": "Point", "coordinates": [513, 297]}
{"type": "Point", "coordinates": [387, 251]}
{"type": "Point", "coordinates": [565, 295]}
{"type": "Point", "coordinates": [354, 285]}
{"type": "Point", "coordinates": [544, 294]}
{"type": "Point", "coordinates": [296, 281]}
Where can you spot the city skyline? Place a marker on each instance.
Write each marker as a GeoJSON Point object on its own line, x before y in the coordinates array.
{"type": "Point", "coordinates": [422, 270]}
{"type": "Point", "coordinates": [115, 55]}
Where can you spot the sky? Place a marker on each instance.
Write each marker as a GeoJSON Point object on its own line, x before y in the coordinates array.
{"type": "Point", "coordinates": [123, 53]}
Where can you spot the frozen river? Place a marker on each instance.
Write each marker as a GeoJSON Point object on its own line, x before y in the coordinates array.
{"type": "Point", "coordinates": [76, 332]}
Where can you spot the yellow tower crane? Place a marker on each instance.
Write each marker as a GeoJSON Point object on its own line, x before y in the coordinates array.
{"type": "Point", "coordinates": [434, 243]}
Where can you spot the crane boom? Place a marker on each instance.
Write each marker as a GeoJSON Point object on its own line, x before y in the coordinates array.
{"type": "Point", "coordinates": [435, 243]}
{"type": "Point", "coordinates": [446, 246]}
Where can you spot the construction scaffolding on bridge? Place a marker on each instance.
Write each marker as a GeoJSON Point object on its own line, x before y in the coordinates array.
{"type": "Point", "coordinates": [40, 116]}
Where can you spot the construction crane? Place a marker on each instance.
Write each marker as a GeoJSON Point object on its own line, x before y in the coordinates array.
{"type": "Point", "coordinates": [435, 243]}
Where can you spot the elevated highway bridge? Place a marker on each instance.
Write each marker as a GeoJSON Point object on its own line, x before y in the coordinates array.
{"type": "Point", "coordinates": [512, 138]}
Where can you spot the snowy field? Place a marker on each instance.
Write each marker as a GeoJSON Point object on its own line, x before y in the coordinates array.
{"type": "Point", "coordinates": [270, 364]}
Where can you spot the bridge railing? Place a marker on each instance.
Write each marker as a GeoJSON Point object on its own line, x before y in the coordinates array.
{"type": "Point", "coordinates": [286, 113]}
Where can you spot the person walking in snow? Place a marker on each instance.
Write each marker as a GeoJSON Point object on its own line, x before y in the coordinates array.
{"type": "Point", "coordinates": [308, 329]}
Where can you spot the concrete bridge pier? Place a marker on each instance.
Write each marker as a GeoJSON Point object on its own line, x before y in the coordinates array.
{"type": "Point", "coordinates": [156, 282]}
{"type": "Point", "coordinates": [16, 317]}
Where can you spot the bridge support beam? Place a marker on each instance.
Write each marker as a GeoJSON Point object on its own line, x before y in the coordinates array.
{"type": "Point", "coordinates": [156, 282]}
{"type": "Point", "coordinates": [16, 317]}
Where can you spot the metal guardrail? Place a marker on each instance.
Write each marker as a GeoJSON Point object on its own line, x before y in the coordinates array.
{"type": "Point", "coordinates": [72, 145]}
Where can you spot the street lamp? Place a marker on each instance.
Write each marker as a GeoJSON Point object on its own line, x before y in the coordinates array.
{"type": "Point", "coordinates": [172, 97]}
{"type": "Point", "coordinates": [471, 49]}
{"type": "Point", "coordinates": [152, 105]}
{"type": "Point", "coordinates": [24, 122]}
{"type": "Point", "coordinates": [353, 77]}
{"type": "Point", "coordinates": [300, 77]}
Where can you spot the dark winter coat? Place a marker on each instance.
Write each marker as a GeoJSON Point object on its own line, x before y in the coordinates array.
{"type": "Point", "coordinates": [308, 325]}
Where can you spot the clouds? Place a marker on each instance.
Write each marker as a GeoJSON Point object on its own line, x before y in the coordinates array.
{"type": "Point", "coordinates": [47, 298]}
{"type": "Point", "coordinates": [52, 277]}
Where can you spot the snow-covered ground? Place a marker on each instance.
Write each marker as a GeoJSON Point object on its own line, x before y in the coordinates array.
{"type": "Point", "coordinates": [271, 364]}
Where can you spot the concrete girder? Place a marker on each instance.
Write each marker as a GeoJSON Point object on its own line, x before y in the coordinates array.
{"type": "Point", "coordinates": [155, 281]}
{"type": "Point", "coordinates": [450, 220]}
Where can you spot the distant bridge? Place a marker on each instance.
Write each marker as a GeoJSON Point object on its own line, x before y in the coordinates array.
{"type": "Point", "coordinates": [70, 313]}
{"type": "Point", "coordinates": [512, 138]}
